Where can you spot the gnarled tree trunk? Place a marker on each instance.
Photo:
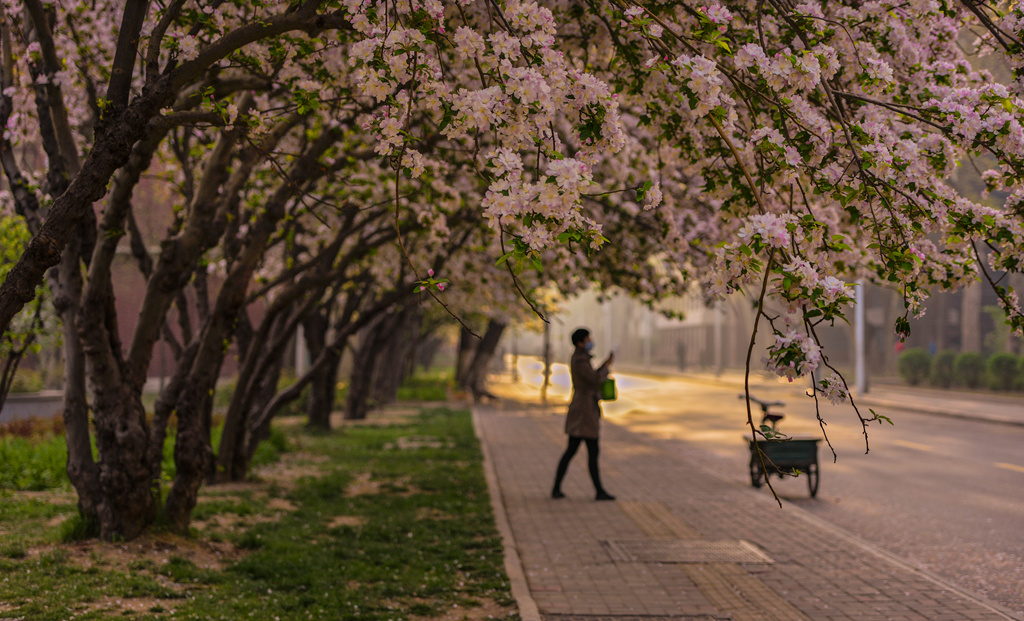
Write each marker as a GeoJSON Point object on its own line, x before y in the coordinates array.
{"type": "Point", "coordinates": [360, 383]}
{"type": "Point", "coordinates": [476, 377]}
{"type": "Point", "coordinates": [396, 360]}
{"type": "Point", "coordinates": [324, 382]}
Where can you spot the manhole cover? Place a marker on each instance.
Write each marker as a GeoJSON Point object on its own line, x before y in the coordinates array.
{"type": "Point", "coordinates": [686, 551]}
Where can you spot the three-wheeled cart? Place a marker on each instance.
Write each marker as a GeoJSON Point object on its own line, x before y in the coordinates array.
{"type": "Point", "coordinates": [785, 457]}
{"type": "Point", "coordinates": [782, 457]}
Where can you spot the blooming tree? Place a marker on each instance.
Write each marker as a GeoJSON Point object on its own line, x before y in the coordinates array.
{"type": "Point", "coordinates": [787, 148]}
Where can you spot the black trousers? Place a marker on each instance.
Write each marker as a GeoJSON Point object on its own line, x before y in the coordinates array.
{"type": "Point", "coordinates": [570, 451]}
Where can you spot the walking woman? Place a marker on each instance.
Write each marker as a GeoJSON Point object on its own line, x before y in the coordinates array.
{"type": "Point", "coordinates": [583, 423]}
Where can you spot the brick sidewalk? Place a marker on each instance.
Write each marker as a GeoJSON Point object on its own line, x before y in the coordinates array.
{"type": "Point", "coordinates": [586, 560]}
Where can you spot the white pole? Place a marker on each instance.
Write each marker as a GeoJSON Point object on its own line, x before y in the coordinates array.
{"type": "Point", "coordinates": [608, 343]}
{"type": "Point", "coordinates": [718, 309]}
{"type": "Point", "coordinates": [858, 322]}
{"type": "Point", "coordinates": [300, 351]}
{"type": "Point", "coordinates": [648, 337]}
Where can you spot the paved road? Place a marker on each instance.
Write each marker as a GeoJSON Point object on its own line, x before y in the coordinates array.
{"type": "Point", "coordinates": [947, 495]}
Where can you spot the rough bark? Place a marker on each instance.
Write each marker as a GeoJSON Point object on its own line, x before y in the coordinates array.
{"type": "Point", "coordinates": [464, 358]}
{"type": "Point", "coordinates": [395, 360]}
{"type": "Point", "coordinates": [360, 383]}
{"type": "Point", "coordinates": [476, 380]}
{"type": "Point", "coordinates": [346, 326]}
{"type": "Point", "coordinates": [256, 432]}
{"type": "Point", "coordinates": [322, 386]}
{"type": "Point", "coordinates": [82, 469]}
{"type": "Point", "coordinates": [257, 382]}
{"type": "Point", "coordinates": [164, 407]}
{"type": "Point", "coordinates": [193, 453]}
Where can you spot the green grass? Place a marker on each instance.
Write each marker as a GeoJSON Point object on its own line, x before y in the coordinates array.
{"type": "Point", "coordinates": [32, 464]}
{"type": "Point", "coordinates": [424, 385]}
{"type": "Point", "coordinates": [427, 386]}
{"type": "Point", "coordinates": [423, 544]}
{"type": "Point", "coordinates": [38, 462]}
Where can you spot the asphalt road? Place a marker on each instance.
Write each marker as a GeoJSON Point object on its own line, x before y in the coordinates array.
{"type": "Point", "coordinates": [945, 495]}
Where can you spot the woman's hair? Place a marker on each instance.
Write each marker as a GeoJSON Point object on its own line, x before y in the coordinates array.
{"type": "Point", "coordinates": [579, 336]}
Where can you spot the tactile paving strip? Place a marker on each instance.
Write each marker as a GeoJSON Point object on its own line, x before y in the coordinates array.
{"type": "Point", "coordinates": [685, 551]}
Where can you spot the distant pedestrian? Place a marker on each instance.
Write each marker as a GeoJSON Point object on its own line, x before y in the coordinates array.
{"type": "Point", "coordinates": [583, 422]}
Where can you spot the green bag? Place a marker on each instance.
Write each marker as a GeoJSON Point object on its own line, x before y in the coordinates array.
{"type": "Point", "coordinates": [608, 392]}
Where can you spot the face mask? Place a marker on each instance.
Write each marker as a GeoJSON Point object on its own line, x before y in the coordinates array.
{"type": "Point", "coordinates": [589, 346]}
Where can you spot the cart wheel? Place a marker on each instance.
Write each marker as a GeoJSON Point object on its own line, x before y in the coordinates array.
{"type": "Point", "coordinates": [756, 474]}
{"type": "Point", "coordinates": [812, 479]}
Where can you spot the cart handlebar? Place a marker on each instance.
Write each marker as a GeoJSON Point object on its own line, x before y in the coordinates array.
{"type": "Point", "coordinates": [764, 404]}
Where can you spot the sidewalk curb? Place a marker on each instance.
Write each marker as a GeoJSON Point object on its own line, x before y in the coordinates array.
{"type": "Point", "coordinates": [933, 411]}
{"type": "Point", "coordinates": [528, 610]}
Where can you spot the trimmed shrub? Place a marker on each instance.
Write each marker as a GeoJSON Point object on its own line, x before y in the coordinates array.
{"type": "Point", "coordinates": [913, 365]}
{"type": "Point", "coordinates": [1001, 369]}
{"type": "Point", "coordinates": [942, 369]}
{"type": "Point", "coordinates": [969, 368]}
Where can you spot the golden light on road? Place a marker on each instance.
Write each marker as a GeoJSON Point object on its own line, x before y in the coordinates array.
{"type": "Point", "coordinates": [1013, 467]}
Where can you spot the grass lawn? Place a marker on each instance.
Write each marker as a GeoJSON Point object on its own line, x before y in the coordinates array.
{"type": "Point", "coordinates": [369, 522]}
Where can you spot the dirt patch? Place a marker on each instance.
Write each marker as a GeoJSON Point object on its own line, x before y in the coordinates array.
{"type": "Point", "coordinates": [346, 520]}
{"type": "Point", "coordinates": [113, 604]}
{"type": "Point", "coordinates": [52, 497]}
{"type": "Point", "coordinates": [237, 488]}
{"type": "Point", "coordinates": [488, 609]}
{"type": "Point", "coordinates": [232, 521]}
{"type": "Point", "coordinates": [280, 504]}
{"type": "Point", "coordinates": [156, 548]}
{"type": "Point", "coordinates": [430, 513]}
{"type": "Point", "coordinates": [362, 485]}
{"type": "Point", "coordinates": [292, 467]}
{"type": "Point", "coordinates": [411, 443]}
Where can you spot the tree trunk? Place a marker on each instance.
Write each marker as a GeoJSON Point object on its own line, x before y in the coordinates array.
{"type": "Point", "coordinates": [193, 454]}
{"type": "Point", "coordinates": [396, 344]}
{"type": "Point", "coordinates": [426, 350]}
{"type": "Point", "coordinates": [361, 380]}
{"type": "Point", "coordinates": [464, 359]}
{"type": "Point", "coordinates": [477, 378]}
{"type": "Point", "coordinates": [256, 432]}
{"type": "Point", "coordinates": [83, 472]}
{"type": "Point", "coordinates": [1012, 340]}
{"type": "Point", "coordinates": [322, 387]}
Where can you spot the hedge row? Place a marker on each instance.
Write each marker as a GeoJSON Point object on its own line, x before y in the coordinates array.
{"type": "Point", "coordinates": [1001, 371]}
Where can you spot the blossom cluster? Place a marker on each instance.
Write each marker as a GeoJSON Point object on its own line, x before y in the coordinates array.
{"type": "Point", "coordinates": [792, 354]}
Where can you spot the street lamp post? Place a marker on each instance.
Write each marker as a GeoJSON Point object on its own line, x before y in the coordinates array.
{"type": "Point", "coordinates": [860, 369]}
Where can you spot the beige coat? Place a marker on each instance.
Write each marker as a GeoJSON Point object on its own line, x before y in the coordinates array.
{"type": "Point", "coordinates": [584, 419]}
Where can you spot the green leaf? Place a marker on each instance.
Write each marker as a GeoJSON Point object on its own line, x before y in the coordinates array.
{"type": "Point", "coordinates": [876, 416]}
